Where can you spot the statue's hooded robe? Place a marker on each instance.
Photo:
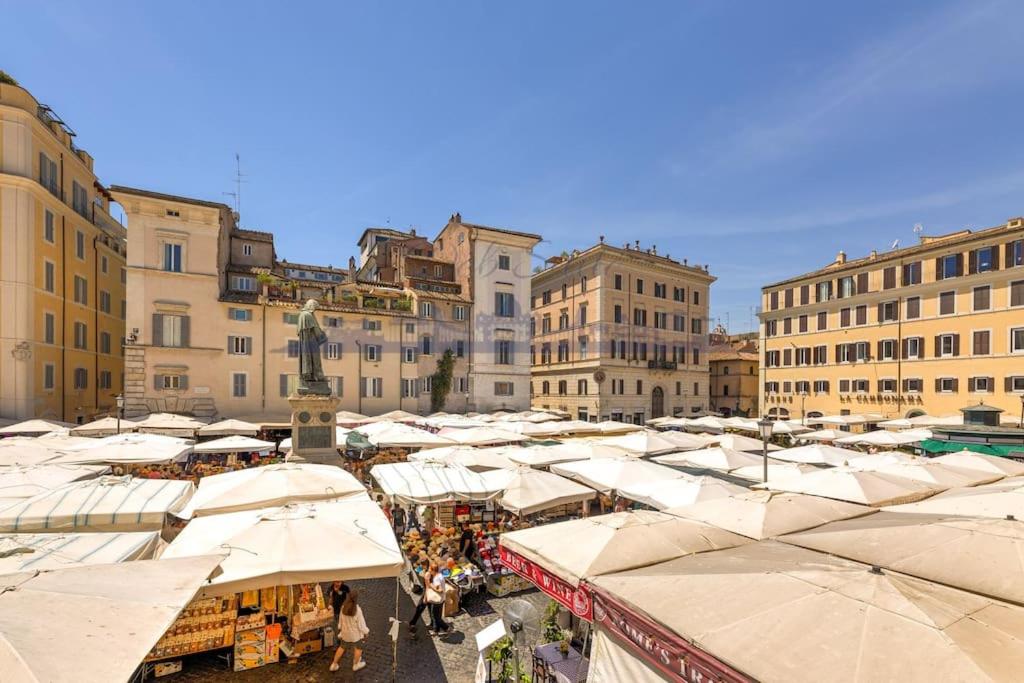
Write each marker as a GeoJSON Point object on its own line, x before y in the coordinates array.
{"type": "Point", "coordinates": [310, 339]}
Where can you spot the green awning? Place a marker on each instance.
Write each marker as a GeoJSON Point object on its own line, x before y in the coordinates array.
{"type": "Point", "coordinates": [935, 446]}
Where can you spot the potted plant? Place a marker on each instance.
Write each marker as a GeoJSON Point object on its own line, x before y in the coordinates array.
{"type": "Point", "coordinates": [563, 643]}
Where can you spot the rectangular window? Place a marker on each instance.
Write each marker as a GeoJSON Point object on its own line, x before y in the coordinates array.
{"type": "Point", "coordinates": [948, 266]}
{"type": "Point", "coordinates": [888, 311]}
{"type": "Point", "coordinates": [243, 283]}
{"type": "Point", "coordinates": [821, 386]}
{"type": "Point", "coordinates": [889, 278]}
{"type": "Point", "coordinates": [503, 351]}
{"type": "Point", "coordinates": [773, 301]}
{"type": "Point", "coordinates": [982, 298]}
{"type": "Point", "coordinates": [802, 324]}
{"type": "Point", "coordinates": [860, 386]}
{"type": "Point", "coordinates": [805, 295]}
{"type": "Point", "coordinates": [788, 298]}
{"type": "Point", "coordinates": [104, 264]}
{"type": "Point", "coordinates": [104, 302]}
{"type": "Point", "coordinates": [238, 384]}
{"type": "Point", "coordinates": [980, 384]}
{"type": "Point", "coordinates": [79, 199]}
{"type": "Point", "coordinates": [426, 345]}
{"type": "Point", "coordinates": [409, 354]}
{"type": "Point", "coordinates": [372, 352]}
{"type": "Point", "coordinates": [660, 320]}
{"type": "Point", "coordinates": [172, 330]}
{"type": "Point", "coordinates": [48, 229]}
{"type": "Point", "coordinates": [913, 385]}
{"type": "Point", "coordinates": [946, 385]}
{"type": "Point", "coordinates": [847, 288]}
{"type": "Point", "coordinates": [1015, 254]}
{"type": "Point", "coordinates": [459, 312]}
{"type": "Point", "coordinates": [639, 286]}
{"type": "Point", "coordinates": [239, 346]}
{"type": "Point", "coordinates": [696, 326]}
{"type": "Point", "coordinates": [80, 244]}
{"type": "Point", "coordinates": [1017, 340]}
{"type": "Point", "coordinates": [887, 386]}
{"type": "Point", "coordinates": [824, 291]}
{"type": "Point", "coordinates": [947, 303]}
{"type": "Point", "coordinates": [913, 308]}
{"type": "Point", "coordinates": [822, 321]}
{"type": "Point", "coordinates": [460, 348]}
{"type": "Point", "coordinates": [863, 352]}
{"type": "Point", "coordinates": [844, 386]}
{"type": "Point", "coordinates": [913, 347]}
{"type": "Point", "coordinates": [503, 262]}
{"type": "Point", "coordinates": [81, 293]}
{"type": "Point", "coordinates": [948, 345]}
{"type": "Point", "coordinates": [81, 378]}
{"type": "Point", "coordinates": [172, 257]}
{"type": "Point", "coordinates": [169, 381]}
{"type": "Point", "coordinates": [105, 342]}
{"type": "Point", "coordinates": [371, 325]}
{"type": "Point", "coordinates": [293, 348]}
{"type": "Point", "coordinates": [503, 388]}
{"type": "Point", "coordinates": [372, 387]}
{"type": "Point", "coordinates": [426, 309]}
{"type": "Point", "coordinates": [49, 328]}
{"type": "Point", "coordinates": [618, 281]}
{"type": "Point", "coordinates": [983, 260]}
{"type": "Point", "coordinates": [1015, 384]}
{"type": "Point", "coordinates": [640, 317]}
{"type": "Point", "coordinates": [887, 349]}
{"type": "Point", "coordinates": [504, 304]}
{"type": "Point", "coordinates": [582, 345]}
{"type": "Point", "coordinates": [49, 376]}
{"type": "Point", "coordinates": [242, 314]}
{"type": "Point", "coordinates": [844, 317]}
{"type": "Point", "coordinates": [49, 276]}
{"type": "Point", "coordinates": [81, 334]}
{"type": "Point", "coordinates": [290, 318]}
{"type": "Point", "coordinates": [912, 273]}
{"type": "Point", "coordinates": [583, 314]}
{"type": "Point", "coordinates": [1017, 293]}
{"type": "Point", "coordinates": [48, 177]}
{"type": "Point", "coordinates": [862, 315]}
{"type": "Point", "coordinates": [409, 387]}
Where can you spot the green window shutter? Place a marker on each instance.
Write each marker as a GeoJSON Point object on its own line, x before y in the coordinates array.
{"type": "Point", "coordinates": [158, 382]}
{"type": "Point", "coordinates": [186, 336]}
{"type": "Point", "coordinates": [157, 332]}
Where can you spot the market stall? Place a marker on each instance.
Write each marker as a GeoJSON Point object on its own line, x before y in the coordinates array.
{"type": "Point", "coordinates": [30, 552]}
{"type": "Point", "coordinates": [34, 428]}
{"type": "Point", "coordinates": [170, 424]}
{"type": "Point", "coordinates": [105, 426]}
{"type": "Point", "coordinates": [228, 428]}
{"type": "Point", "coordinates": [107, 503]}
{"type": "Point", "coordinates": [25, 482]}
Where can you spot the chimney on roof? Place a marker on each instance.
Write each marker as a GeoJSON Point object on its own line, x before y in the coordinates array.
{"type": "Point", "coordinates": [654, 249]}
{"type": "Point", "coordinates": [601, 238]}
{"type": "Point", "coordinates": [352, 268]}
{"type": "Point", "coordinates": [458, 217]}
{"type": "Point", "coordinates": [412, 231]}
{"type": "Point", "coordinates": [874, 254]}
{"type": "Point", "coordinates": [685, 262]}
{"type": "Point", "coordinates": [637, 242]}
{"type": "Point", "coordinates": [841, 257]}
{"type": "Point", "coordinates": [626, 246]}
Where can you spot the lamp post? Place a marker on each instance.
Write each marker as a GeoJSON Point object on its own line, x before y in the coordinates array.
{"type": "Point", "coordinates": [764, 425]}
{"type": "Point", "coordinates": [803, 410]}
{"type": "Point", "coordinates": [119, 400]}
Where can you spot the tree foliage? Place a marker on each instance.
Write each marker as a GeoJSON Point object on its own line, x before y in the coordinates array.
{"type": "Point", "coordinates": [441, 384]}
{"type": "Point", "coordinates": [7, 78]}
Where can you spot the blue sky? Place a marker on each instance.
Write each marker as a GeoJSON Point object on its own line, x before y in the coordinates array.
{"type": "Point", "coordinates": [759, 138]}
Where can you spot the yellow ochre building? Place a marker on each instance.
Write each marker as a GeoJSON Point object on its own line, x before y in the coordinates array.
{"type": "Point", "coordinates": [62, 278]}
{"type": "Point", "coordinates": [930, 328]}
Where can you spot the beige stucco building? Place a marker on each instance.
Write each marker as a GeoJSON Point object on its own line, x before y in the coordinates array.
{"type": "Point", "coordinates": [930, 328]}
{"type": "Point", "coordinates": [620, 333]}
{"type": "Point", "coordinates": [735, 380]}
{"type": "Point", "coordinates": [212, 312]}
{"type": "Point", "coordinates": [61, 271]}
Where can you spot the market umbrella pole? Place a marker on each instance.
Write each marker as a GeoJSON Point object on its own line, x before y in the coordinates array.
{"type": "Point", "coordinates": [394, 641]}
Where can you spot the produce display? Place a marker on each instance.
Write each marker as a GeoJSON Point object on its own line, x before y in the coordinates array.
{"type": "Point", "coordinates": [206, 624]}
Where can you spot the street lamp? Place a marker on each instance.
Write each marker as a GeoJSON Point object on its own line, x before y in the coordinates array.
{"type": "Point", "coordinates": [119, 400]}
{"type": "Point", "coordinates": [764, 425]}
{"type": "Point", "coordinates": [803, 410]}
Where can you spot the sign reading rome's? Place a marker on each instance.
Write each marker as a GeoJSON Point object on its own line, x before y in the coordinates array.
{"type": "Point", "coordinates": [576, 600]}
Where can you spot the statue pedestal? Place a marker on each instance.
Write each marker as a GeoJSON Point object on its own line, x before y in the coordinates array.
{"type": "Point", "coordinates": [314, 433]}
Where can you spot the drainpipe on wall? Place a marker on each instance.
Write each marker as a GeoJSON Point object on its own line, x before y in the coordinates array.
{"type": "Point", "coordinates": [96, 324]}
{"type": "Point", "coordinates": [359, 378]}
{"type": "Point", "coordinates": [63, 313]}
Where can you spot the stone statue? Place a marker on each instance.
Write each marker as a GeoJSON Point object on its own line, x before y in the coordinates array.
{"type": "Point", "coordinates": [311, 337]}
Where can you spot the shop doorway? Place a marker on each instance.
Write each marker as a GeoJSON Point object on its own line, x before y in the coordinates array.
{"type": "Point", "coordinates": [657, 402]}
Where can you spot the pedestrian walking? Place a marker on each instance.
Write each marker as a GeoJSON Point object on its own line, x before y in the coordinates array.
{"type": "Point", "coordinates": [339, 591]}
{"type": "Point", "coordinates": [422, 572]}
{"type": "Point", "coordinates": [352, 631]}
{"type": "Point", "coordinates": [428, 518]}
{"type": "Point", "coordinates": [398, 518]}
{"type": "Point", "coordinates": [435, 598]}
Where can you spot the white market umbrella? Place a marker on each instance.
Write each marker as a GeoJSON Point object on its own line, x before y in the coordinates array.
{"type": "Point", "coordinates": [1000, 500]}
{"type": "Point", "coordinates": [559, 428]}
{"type": "Point", "coordinates": [584, 548]}
{"type": "Point", "coordinates": [710, 422]}
{"type": "Point", "coordinates": [662, 495]}
{"type": "Point", "coordinates": [25, 482]}
{"type": "Point", "coordinates": [974, 554]}
{"type": "Point", "coordinates": [345, 417]}
{"type": "Point", "coordinates": [822, 435]}
{"type": "Point", "coordinates": [816, 454]}
{"type": "Point", "coordinates": [874, 461]}
{"type": "Point", "coordinates": [946, 476]}
{"type": "Point", "coordinates": [170, 424]}
{"type": "Point", "coordinates": [129, 449]}
{"type": "Point", "coordinates": [880, 437]}
{"type": "Point", "coordinates": [480, 436]}
{"type": "Point", "coordinates": [567, 451]}
{"type": "Point", "coordinates": [984, 463]}
{"type": "Point", "coordinates": [29, 552]}
{"type": "Point", "coordinates": [646, 442]}
{"type": "Point", "coordinates": [111, 616]}
{"type": "Point", "coordinates": [270, 486]}
{"type": "Point", "coordinates": [526, 491]}
{"type": "Point", "coordinates": [778, 613]}
{"type": "Point", "coordinates": [104, 426]}
{"type": "Point", "coordinates": [714, 458]}
{"type": "Point", "coordinates": [610, 474]}
{"type": "Point", "coordinates": [684, 441]}
{"type": "Point", "coordinates": [405, 436]}
{"type": "Point", "coordinates": [616, 427]}
{"type": "Point", "coordinates": [776, 470]}
{"type": "Point", "coordinates": [229, 428]}
{"type": "Point", "coordinates": [25, 454]}
{"type": "Point", "coordinates": [392, 416]}
{"type": "Point", "coordinates": [233, 444]}
{"type": "Point", "coordinates": [842, 420]}
{"type": "Point", "coordinates": [856, 486]}
{"type": "Point", "coordinates": [738, 442]}
{"type": "Point", "coordinates": [298, 543]}
{"type": "Point", "coordinates": [658, 421]}
{"type": "Point", "coordinates": [423, 483]}
{"type": "Point", "coordinates": [467, 456]}
{"type": "Point", "coordinates": [741, 423]}
{"type": "Point", "coordinates": [103, 504]}
{"type": "Point", "coordinates": [789, 428]}
{"type": "Point", "coordinates": [34, 428]}
{"type": "Point", "coordinates": [766, 514]}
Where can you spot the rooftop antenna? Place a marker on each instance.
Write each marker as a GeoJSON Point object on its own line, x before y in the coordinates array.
{"type": "Point", "coordinates": [918, 229]}
{"type": "Point", "coordinates": [895, 244]}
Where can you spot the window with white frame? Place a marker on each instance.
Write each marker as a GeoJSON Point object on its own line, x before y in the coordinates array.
{"type": "Point", "coordinates": [81, 378]}
{"type": "Point", "coordinates": [503, 351]}
{"type": "Point", "coordinates": [503, 388]}
{"type": "Point", "coordinates": [582, 346]}
{"type": "Point", "coordinates": [459, 312]}
{"type": "Point", "coordinates": [1016, 384]}
{"type": "Point", "coordinates": [409, 354]}
{"type": "Point", "coordinates": [980, 385]}
{"type": "Point", "coordinates": [371, 325]}
{"type": "Point", "coordinates": [372, 387]}
{"type": "Point", "coordinates": [946, 384]}
{"type": "Point", "coordinates": [462, 385]}
{"type": "Point", "coordinates": [887, 349]}
{"type": "Point", "coordinates": [49, 276]}
{"type": "Point", "coordinates": [333, 350]}
{"type": "Point", "coordinates": [863, 351]}
{"type": "Point", "coordinates": [947, 344]}
{"type": "Point", "coordinates": [428, 384]}
{"type": "Point", "coordinates": [372, 352]}
{"type": "Point", "coordinates": [409, 387]}
{"type": "Point", "coordinates": [860, 386]}
{"type": "Point", "coordinates": [427, 309]}
{"type": "Point", "coordinates": [247, 249]}
{"type": "Point", "coordinates": [171, 381]}
{"type": "Point", "coordinates": [504, 262]}
{"type": "Point", "coordinates": [1017, 340]}
{"type": "Point", "coordinates": [240, 314]}
{"type": "Point", "coordinates": [913, 385]}
{"type": "Point", "coordinates": [504, 304]}
{"type": "Point", "coordinates": [821, 386]}
{"type": "Point", "coordinates": [887, 385]}
{"type": "Point", "coordinates": [426, 345]}
{"type": "Point", "coordinates": [172, 257]}
{"type": "Point", "coordinates": [81, 335]}
{"type": "Point", "coordinates": [913, 347]}
{"type": "Point", "coordinates": [243, 283]}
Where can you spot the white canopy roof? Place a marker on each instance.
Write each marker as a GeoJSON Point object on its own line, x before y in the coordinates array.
{"type": "Point", "coordinates": [270, 486]}
{"type": "Point", "coordinates": [738, 442]}
{"type": "Point", "coordinates": [25, 482]}
{"type": "Point", "coordinates": [129, 449]}
{"type": "Point", "coordinates": [662, 495]}
{"type": "Point", "coordinates": [298, 543]}
{"type": "Point", "coordinates": [992, 500]}
{"type": "Point", "coordinates": [170, 424]}
{"type": "Point", "coordinates": [874, 461]}
{"type": "Point", "coordinates": [526, 490]}
{"type": "Point", "coordinates": [776, 470]}
{"type": "Point", "coordinates": [837, 420]}
{"type": "Point", "coordinates": [392, 416]}
{"type": "Point", "coordinates": [229, 427]}
{"type": "Point", "coordinates": [684, 441]}
{"type": "Point", "coordinates": [104, 426]}
{"type": "Point", "coordinates": [233, 444]}
{"type": "Point", "coordinates": [714, 458]}
{"type": "Point", "coordinates": [25, 454]}
{"type": "Point", "coordinates": [880, 437]}
{"type": "Point", "coordinates": [857, 486]}
{"type": "Point", "coordinates": [103, 504]}
{"type": "Point", "coordinates": [110, 617]}
{"type": "Point", "coordinates": [345, 417]}
{"type": "Point", "coordinates": [780, 613]}
{"type": "Point", "coordinates": [816, 454]}
{"type": "Point", "coordinates": [983, 463]}
{"type": "Point", "coordinates": [611, 474]}
{"type": "Point", "coordinates": [555, 428]}
{"type": "Point", "coordinates": [425, 482]}
{"type": "Point", "coordinates": [567, 451]}
{"type": "Point", "coordinates": [822, 435]}
{"type": "Point", "coordinates": [937, 473]}
{"type": "Point", "coordinates": [646, 442]}
{"type": "Point", "coordinates": [396, 435]}
{"type": "Point", "coordinates": [765, 514]}
{"type": "Point", "coordinates": [480, 436]}
{"type": "Point", "coordinates": [494, 458]}
{"type": "Point", "coordinates": [29, 552]}
{"type": "Point", "coordinates": [29, 427]}
{"type": "Point", "coordinates": [923, 421]}
{"type": "Point", "coordinates": [584, 548]}
{"type": "Point", "coordinates": [340, 436]}
{"type": "Point", "coordinates": [616, 427]}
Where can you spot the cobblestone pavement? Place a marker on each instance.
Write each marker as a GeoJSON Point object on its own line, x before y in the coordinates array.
{"type": "Point", "coordinates": [423, 659]}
